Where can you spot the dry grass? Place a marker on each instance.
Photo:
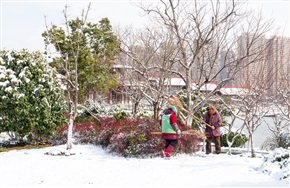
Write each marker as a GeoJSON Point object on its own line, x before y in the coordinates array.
{"type": "Point", "coordinates": [37, 146]}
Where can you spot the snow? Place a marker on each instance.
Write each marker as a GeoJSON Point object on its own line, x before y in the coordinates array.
{"type": "Point", "coordinates": [92, 166]}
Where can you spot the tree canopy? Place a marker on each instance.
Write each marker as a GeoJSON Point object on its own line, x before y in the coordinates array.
{"type": "Point", "coordinates": [93, 46]}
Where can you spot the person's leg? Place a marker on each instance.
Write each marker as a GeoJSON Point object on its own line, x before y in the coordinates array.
{"type": "Point", "coordinates": [168, 150]}
{"type": "Point", "coordinates": [172, 144]}
{"type": "Point", "coordinates": [208, 145]}
{"type": "Point", "coordinates": [217, 144]}
{"type": "Point", "coordinates": [167, 142]}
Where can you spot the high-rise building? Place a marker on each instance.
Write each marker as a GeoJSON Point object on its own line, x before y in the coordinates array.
{"type": "Point", "coordinates": [264, 63]}
{"type": "Point", "coordinates": [278, 64]}
{"type": "Point", "coordinates": [251, 57]}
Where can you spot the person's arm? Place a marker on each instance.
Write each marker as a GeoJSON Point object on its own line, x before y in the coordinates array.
{"type": "Point", "coordinates": [174, 125]}
{"type": "Point", "coordinates": [218, 121]}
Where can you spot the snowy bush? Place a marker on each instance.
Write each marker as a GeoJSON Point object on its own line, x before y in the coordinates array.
{"type": "Point", "coordinates": [98, 108]}
{"type": "Point", "coordinates": [281, 140]}
{"type": "Point", "coordinates": [239, 141]}
{"type": "Point", "coordinates": [31, 103]}
{"type": "Point", "coordinates": [277, 164]}
{"type": "Point", "coordinates": [84, 132]}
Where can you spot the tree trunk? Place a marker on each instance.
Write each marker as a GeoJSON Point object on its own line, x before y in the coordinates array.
{"type": "Point", "coordinates": [135, 108]}
{"type": "Point", "coordinates": [69, 132]}
{"type": "Point", "coordinates": [253, 154]}
{"type": "Point", "coordinates": [156, 110]}
{"type": "Point", "coordinates": [229, 143]}
{"type": "Point", "coordinates": [189, 101]}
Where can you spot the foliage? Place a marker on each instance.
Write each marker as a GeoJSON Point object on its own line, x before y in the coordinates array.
{"type": "Point", "coordinates": [84, 132]}
{"type": "Point", "coordinates": [240, 140]}
{"type": "Point", "coordinates": [128, 137]}
{"type": "Point", "coordinates": [31, 103]}
{"type": "Point", "coordinates": [95, 46]}
{"type": "Point", "coordinates": [120, 115]}
{"type": "Point", "coordinates": [86, 55]}
{"type": "Point", "coordinates": [187, 143]}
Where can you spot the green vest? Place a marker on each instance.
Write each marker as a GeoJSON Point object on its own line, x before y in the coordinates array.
{"type": "Point", "coordinates": [166, 127]}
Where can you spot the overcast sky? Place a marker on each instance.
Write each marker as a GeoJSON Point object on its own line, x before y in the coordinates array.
{"type": "Point", "coordinates": [22, 21]}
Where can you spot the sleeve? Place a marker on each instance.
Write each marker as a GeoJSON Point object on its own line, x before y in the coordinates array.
{"type": "Point", "coordinates": [218, 121]}
{"type": "Point", "coordinates": [173, 122]}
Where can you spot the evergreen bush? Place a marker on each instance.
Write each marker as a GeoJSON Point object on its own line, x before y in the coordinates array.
{"type": "Point", "coordinates": [32, 104]}
{"type": "Point", "coordinates": [239, 140]}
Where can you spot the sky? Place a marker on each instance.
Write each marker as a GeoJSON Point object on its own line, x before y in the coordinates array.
{"type": "Point", "coordinates": [23, 21]}
{"type": "Point", "coordinates": [91, 166]}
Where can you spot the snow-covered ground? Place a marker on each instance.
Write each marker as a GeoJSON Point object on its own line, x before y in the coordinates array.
{"type": "Point", "coordinates": [91, 166]}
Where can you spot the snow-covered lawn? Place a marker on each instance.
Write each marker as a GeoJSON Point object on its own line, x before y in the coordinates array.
{"type": "Point", "coordinates": [91, 166]}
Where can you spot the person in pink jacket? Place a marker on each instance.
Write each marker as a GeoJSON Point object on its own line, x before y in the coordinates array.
{"type": "Point", "coordinates": [212, 132]}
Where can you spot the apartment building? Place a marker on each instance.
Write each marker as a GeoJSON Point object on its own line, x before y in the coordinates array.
{"type": "Point", "coordinates": [265, 64]}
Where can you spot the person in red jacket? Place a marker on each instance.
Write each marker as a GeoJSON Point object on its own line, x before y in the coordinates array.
{"type": "Point", "coordinates": [170, 129]}
{"type": "Point", "coordinates": [212, 132]}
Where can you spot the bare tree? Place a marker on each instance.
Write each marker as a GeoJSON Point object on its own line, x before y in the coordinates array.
{"type": "Point", "coordinates": [235, 112]}
{"type": "Point", "coordinates": [279, 59]}
{"type": "Point", "coordinates": [282, 61]}
{"type": "Point", "coordinates": [148, 52]}
{"type": "Point", "coordinates": [280, 131]}
{"type": "Point", "coordinates": [254, 104]}
{"type": "Point", "coordinates": [202, 31]}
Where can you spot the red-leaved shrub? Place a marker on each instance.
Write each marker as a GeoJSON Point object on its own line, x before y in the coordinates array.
{"type": "Point", "coordinates": [128, 137]}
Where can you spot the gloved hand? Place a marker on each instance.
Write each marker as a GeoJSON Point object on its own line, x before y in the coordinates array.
{"type": "Point", "coordinates": [212, 127]}
{"type": "Point", "coordinates": [179, 133]}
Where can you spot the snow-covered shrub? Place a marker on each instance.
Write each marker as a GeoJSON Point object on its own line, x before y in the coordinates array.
{"type": "Point", "coordinates": [277, 164]}
{"type": "Point", "coordinates": [98, 108]}
{"type": "Point", "coordinates": [240, 140]}
{"type": "Point", "coordinates": [31, 101]}
{"type": "Point", "coordinates": [84, 133]}
{"type": "Point", "coordinates": [282, 140]}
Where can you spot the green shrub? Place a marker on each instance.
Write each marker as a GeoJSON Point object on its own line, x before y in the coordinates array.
{"type": "Point", "coordinates": [120, 115]}
{"type": "Point", "coordinates": [239, 140]}
{"type": "Point", "coordinates": [32, 104]}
